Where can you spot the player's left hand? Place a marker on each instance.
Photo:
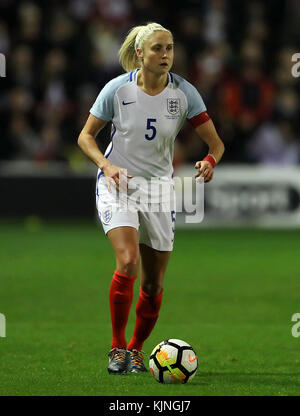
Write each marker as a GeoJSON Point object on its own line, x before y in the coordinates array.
{"type": "Point", "coordinates": [205, 170]}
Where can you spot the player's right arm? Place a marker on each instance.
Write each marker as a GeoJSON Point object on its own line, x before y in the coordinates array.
{"type": "Point", "coordinates": [87, 142]}
{"type": "Point", "coordinates": [88, 145]}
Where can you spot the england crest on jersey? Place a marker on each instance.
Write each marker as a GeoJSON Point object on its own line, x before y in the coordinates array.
{"type": "Point", "coordinates": [173, 105]}
{"type": "Point", "coordinates": [106, 214]}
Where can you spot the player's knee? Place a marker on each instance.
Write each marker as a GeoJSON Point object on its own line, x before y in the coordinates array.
{"type": "Point", "coordinates": [152, 288]}
{"type": "Point", "coordinates": [129, 262]}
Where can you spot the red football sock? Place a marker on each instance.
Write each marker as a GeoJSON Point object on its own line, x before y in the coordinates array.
{"type": "Point", "coordinates": [147, 310]}
{"type": "Point", "coordinates": [120, 299]}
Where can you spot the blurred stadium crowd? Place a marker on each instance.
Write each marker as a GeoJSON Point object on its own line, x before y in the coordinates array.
{"type": "Point", "coordinates": [60, 54]}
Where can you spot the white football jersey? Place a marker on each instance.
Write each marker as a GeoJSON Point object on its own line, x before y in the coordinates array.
{"type": "Point", "coordinates": [144, 127]}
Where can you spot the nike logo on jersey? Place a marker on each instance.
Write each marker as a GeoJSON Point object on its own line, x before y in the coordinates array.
{"type": "Point", "coordinates": [129, 102]}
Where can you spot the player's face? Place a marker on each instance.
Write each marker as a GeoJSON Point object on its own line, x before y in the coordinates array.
{"type": "Point", "coordinates": [158, 52]}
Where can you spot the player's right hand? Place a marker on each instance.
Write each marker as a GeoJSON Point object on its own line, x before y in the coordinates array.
{"type": "Point", "coordinates": [116, 176]}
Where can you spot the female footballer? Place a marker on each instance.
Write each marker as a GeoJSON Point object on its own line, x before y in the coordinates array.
{"type": "Point", "coordinates": [147, 107]}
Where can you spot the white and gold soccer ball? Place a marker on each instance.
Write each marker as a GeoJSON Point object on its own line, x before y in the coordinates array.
{"type": "Point", "coordinates": [173, 361]}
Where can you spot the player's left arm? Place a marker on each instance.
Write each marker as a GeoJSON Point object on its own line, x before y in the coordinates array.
{"type": "Point", "coordinates": [207, 132]}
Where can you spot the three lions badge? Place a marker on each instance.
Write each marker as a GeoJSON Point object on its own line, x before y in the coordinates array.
{"type": "Point", "coordinates": [173, 106]}
{"type": "Point", "coordinates": [106, 214]}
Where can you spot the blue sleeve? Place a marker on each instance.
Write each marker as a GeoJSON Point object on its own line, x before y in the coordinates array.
{"type": "Point", "coordinates": [195, 103]}
{"type": "Point", "coordinates": [103, 107]}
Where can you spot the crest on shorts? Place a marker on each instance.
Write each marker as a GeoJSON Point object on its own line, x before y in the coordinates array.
{"type": "Point", "coordinates": [106, 214]}
{"type": "Point", "coordinates": [173, 105]}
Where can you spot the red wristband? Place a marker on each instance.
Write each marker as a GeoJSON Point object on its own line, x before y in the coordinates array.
{"type": "Point", "coordinates": [211, 160]}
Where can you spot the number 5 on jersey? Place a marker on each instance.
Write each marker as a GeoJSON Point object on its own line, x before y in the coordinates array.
{"type": "Point", "coordinates": [150, 127]}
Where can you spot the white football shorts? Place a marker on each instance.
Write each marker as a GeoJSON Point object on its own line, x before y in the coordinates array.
{"type": "Point", "coordinates": [153, 218]}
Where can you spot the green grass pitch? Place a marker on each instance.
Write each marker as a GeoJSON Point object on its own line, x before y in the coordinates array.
{"type": "Point", "coordinates": [229, 293]}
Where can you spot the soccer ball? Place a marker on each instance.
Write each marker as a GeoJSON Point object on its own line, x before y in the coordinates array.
{"type": "Point", "coordinates": [173, 361]}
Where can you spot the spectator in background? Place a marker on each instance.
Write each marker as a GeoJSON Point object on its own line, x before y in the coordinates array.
{"type": "Point", "coordinates": [23, 139]}
{"type": "Point", "coordinates": [115, 13]}
{"type": "Point", "coordinates": [30, 145]}
{"type": "Point", "coordinates": [29, 18]}
{"type": "Point", "coordinates": [246, 99]}
{"type": "Point", "coordinates": [215, 21]}
{"type": "Point", "coordinates": [191, 34]}
{"type": "Point", "coordinates": [22, 66]}
{"type": "Point", "coordinates": [49, 144]}
{"type": "Point", "coordinates": [20, 101]}
{"type": "Point", "coordinates": [277, 141]}
{"type": "Point", "coordinates": [209, 70]}
{"type": "Point", "coordinates": [80, 10]}
{"type": "Point", "coordinates": [105, 40]}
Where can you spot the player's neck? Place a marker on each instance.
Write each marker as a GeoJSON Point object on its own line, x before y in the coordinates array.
{"type": "Point", "coordinates": [151, 83]}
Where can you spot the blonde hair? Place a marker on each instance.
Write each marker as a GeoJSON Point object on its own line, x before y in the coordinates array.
{"type": "Point", "coordinates": [134, 40]}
